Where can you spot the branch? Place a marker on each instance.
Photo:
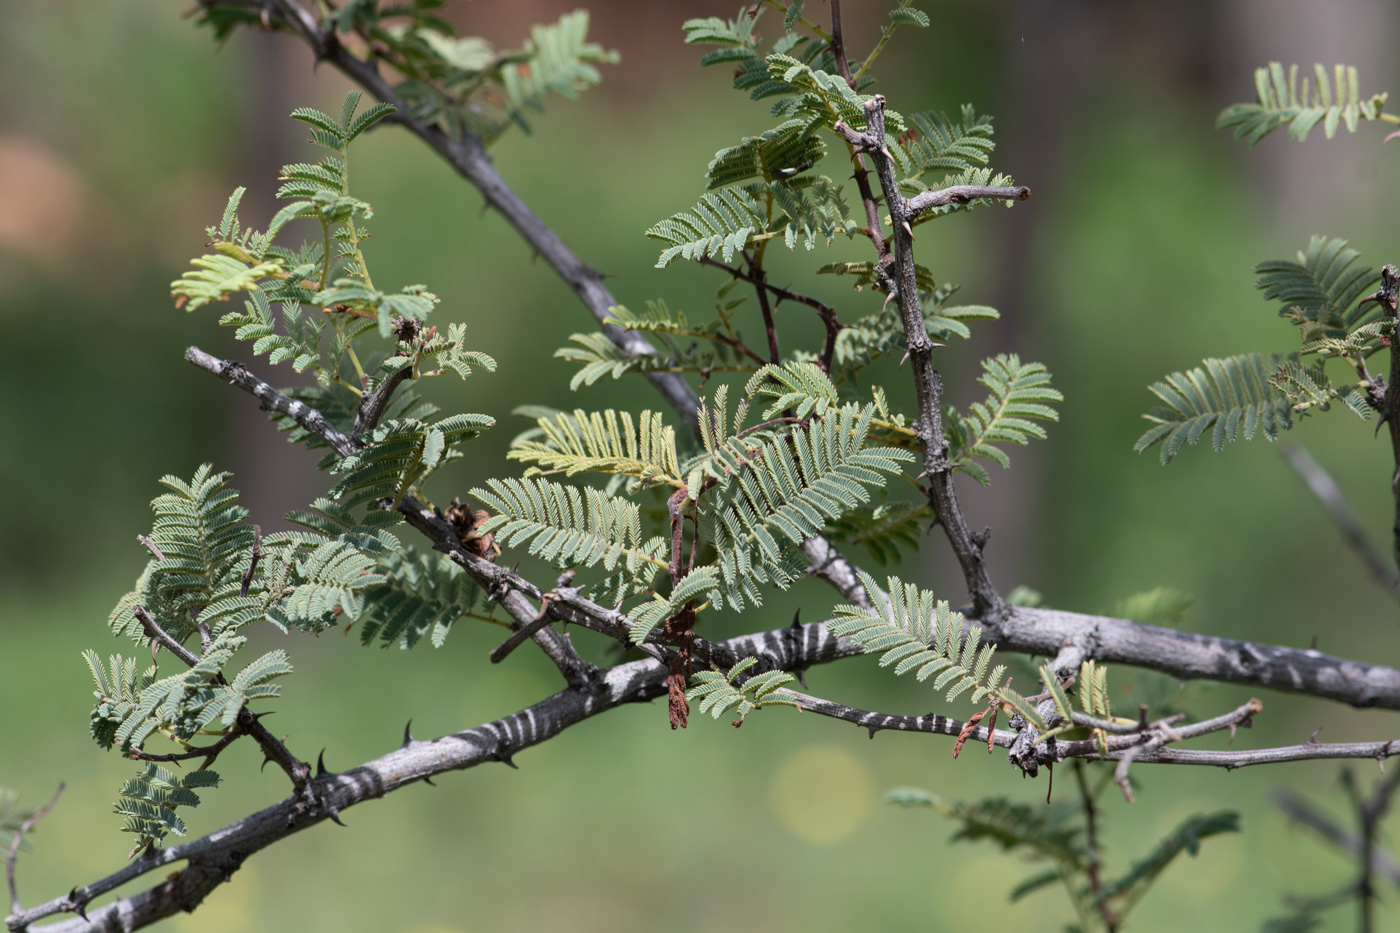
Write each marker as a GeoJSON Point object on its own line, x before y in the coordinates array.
{"type": "Point", "coordinates": [576, 671]}
{"type": "Point", "coordinates": [1330, 495]}
{"type": "Point", "coordinates": [1302, 811]}
{"type": "Point", "coordinates": [26, 827]}
{"type": "Point", "coordinates": [469, 158]}
{"type": "Point", "coordinates": [961, 194]}
{"type": "Point", "coordinates": [213, 859]}
{"type": "Point", "coordinates": [1029, 631]}
{"type": "Point", "coordinates": [272, 747]}
{"type": "Point", "coordinates": [928, 384]}
{"type": "Point", "coordinates": [1388, 296]}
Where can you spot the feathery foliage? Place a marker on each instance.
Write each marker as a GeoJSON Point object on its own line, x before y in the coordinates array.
{"type": "Point", "coordinates": [421, 594]}
{"type": "Point", "coordinates": [1053, 834]}
{"type": "Point", "coordinates": [1230, 394]}
{"type": "Point", "coordinates": [720, 692]}
{"type": "Point", "coordinates": [1283, 102]}
{"type": "Point", "coordinates": [1020, 392]}
{"type": "Point", "coordinates": [1319, 290]}
{"type": "Point", "coordinates": [398, 458]}
{"type": "Point", "coordinates": [569, 527]}
{"type": "Point", "coordinates": [883, 529]}
{"type": "Point", "coordinates": [148, 802]}
{"type": "Point", "coordinates": [602, 442]}
{"type": "Point", "coordinates": [790, 488]}
{"type": "Point", "coordinates": [912, 630]}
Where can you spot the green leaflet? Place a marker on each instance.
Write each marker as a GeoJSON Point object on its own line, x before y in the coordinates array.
{"type": "Point", "coordinates": [1229, 395]}
{"type": "Point", "coordinates": [1283, 102]}
{"type": "Point", "coordinates": [1021, 395]}
{"type": "Point", "coordinates": [720, 692]}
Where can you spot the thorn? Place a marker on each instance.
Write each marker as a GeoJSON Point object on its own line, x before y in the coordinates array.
{"type": "Point", "coordinates": [873, 730]}
{"type": "Point", "coordinates": [801, 675]}
{"type": "Point", "coordinates": [321, 765]}
{"type": "Point", "coordinates": [335, 818]}
{"type": "Point", "coordinates": [797, 618]}
{"type": "Point", "coordinates": [1232, 733]}
{"type": "Point", "coordinates": [429, 782]}
{"type": "Point", "coordinates": [904, 359]}
{"type": "Point", "coordinates": [506, 760]}
{"type": "Point", "coordinates": [1312, 739]}
{"type": "Point", "coordinates": [266, 759]}
{"type": "Point", "coordinates": [908, 230]}
{"type": "Point", "coordinates": [407, 735]}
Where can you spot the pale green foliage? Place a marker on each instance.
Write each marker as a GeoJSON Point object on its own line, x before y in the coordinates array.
{"type": "Point", "coordinates": [882, 529]}
{"type": "Point", "coordinates": [912, 630]}
{"type": "Point", "coordinates": [720, 224]}
{"type": "Point", "coordinates": [398, 458]}
{"type": "Point", "coordinates": [461, 83]}
{"type": "Point", "coordinates": [724, 222]}
{"type": "Point", "coordinates": [720, 692]}
{"type": "Point", "coordinates": [867, 339]}
{"type": "Point", "coordinates": [602, 442]}
{"type": "Point", "coordinates": [1020, 392]}
{"type": "Point", "coordinates": [788, 149]}
{"type": "Point", "coordinates": [801, 387]}
{"type": "Point", "coordinates": [1162, 605]}
{"type": "Point", "coordinates": [1053, 834]}
{"type": "Point", "coordinates": [1231, 394]}
{"type": "Point", "coordinates": [789, 489]}
{"type": "Point", "coordinates": [422, 594]}
{"type": "Point", "coordinates": [936, 144]}
{"type": "Point", "coordinates": [821, 95]}
{"type": "Point", "coordinates": [1320, 289]}
{"type": "Point", "coordinates": [569, 527]}
{"type": "Point", "coordinates": [215, 576]}
{"type": "Point", "coordinates": [601, 357]}
{"type": "Point", "coordinates": [148, 801]}
{"type": "Point", "coordinates": [1283, 101]}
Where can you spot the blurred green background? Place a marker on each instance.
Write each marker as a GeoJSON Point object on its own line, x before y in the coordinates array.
{"type": "Point", "coordinates": [122, 131]}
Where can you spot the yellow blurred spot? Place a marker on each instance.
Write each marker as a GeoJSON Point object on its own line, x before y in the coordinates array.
{"type": "Point", "coordinates": [822, 794]}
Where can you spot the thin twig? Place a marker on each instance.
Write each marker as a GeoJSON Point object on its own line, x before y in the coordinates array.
{"type": "Point", "coordinates": [513, 591]}
{"type": "Point", "coordinates": [162, 637]}
{"type": "Point", "coordinates": [1091, 840]}
{"type": "Point", "coordinates": [1325, 488]}
{"type": "Point", "coordinates": [987, 602]}
{"type": "Point", "coordinates": [150, 545]}
{"type": "Point", "coordinates": [1302, 812]}
{"type": "Point", "coordinates": [26, 827]}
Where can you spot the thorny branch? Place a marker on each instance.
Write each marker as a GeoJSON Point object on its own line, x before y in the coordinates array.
{"type": "Point", "coordinates": [26, 827]}
{"type": "Point", "coordinates": [213, 858]}
{"type": "Point", "coordinates": [1028, 631]}
{"type": "Point", "coordinates": [986, 601]}
{"type": "Point", "coordinates": [247, 723]}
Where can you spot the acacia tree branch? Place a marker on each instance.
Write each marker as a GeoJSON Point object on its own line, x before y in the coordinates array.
{"type": "Point", "coordinates": [18, 840]}
{"type": "Point", "coordinates": [468, 156]}
{"type": "Point", "coordinates": [1027, 631]}
{"type": "Point", "coordinates": [1325, 488]}
{"type": "Point", "coordinates": [213, 859]}
{"type": "Point", "coordinates": [928, 383]}
{"type": "Point", "coordinates": [247, 724]}
{"type": "Point", "coordinates": [512, 595]}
